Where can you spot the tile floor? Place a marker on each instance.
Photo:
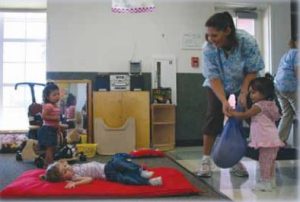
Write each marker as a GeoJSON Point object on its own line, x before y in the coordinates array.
{"type": "Point", "coordinates": [239, 189]}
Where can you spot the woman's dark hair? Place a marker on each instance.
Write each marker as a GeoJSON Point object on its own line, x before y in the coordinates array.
{"type": "Point", "coordinates": [71, 99]}
{"type": "Point", "coordinates": [52, 174]}
{"type": "Point", "coordinates": [221, 21]}
{"type": "Point", "coordinates": [293, 42]}
{"type": "Point", "coordinates": [264, 85]}
{"type": "Point", "coordinates": [50, 87]}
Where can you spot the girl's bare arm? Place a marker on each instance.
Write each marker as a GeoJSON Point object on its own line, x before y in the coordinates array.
{"type": "Point", "coordinates": [78, 181]}
{"type": "Point", "coordinates": [47, 116]}
{"type": "Point", "coordinates": [246, 114]}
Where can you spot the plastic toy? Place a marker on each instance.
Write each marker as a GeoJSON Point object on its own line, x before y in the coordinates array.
{"type": "Point", "coordinates": [34, 110]}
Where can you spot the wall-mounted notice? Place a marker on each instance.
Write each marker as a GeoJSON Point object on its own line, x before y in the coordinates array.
{"type": "Point", "coordinates": [192, 41]}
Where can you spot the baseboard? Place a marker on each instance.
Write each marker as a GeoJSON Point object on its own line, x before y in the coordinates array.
{"type": "Point", "coordinates": [283, 154]}
{"type": "Point", "coordinates": [186, 143]}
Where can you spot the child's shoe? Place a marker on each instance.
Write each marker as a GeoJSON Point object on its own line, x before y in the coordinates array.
{"type": "Point", "coordinates": [156, 181]}
{"type": "Point", "coordinates": [273, 183]}
{"type": "Point", "coordinates": [147, 174]}
{"type": "Point", "coordinates": [263, 186]}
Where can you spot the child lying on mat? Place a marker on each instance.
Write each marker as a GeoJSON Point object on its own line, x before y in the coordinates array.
{"type": "Point", "coordinates": [118, 169]}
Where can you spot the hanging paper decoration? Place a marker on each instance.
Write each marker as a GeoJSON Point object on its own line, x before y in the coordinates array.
{"type": "Point", "coordinates": [132, 6]}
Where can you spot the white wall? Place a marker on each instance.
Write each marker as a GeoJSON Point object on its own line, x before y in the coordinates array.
{"type": "Point", "coordinates": [84, 35]}
{"type": "Point", "coordinates": [89, 37]}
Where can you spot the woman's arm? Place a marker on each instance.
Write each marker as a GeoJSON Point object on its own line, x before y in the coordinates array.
{"type": "Point", "coordinates": [242, 99]}
{"type": "Point", "coordinates": [246, 114]}
{"type": "Point", "coordinates": [218, 89]}
{"type": "Point", "coordinates": [78, 181]}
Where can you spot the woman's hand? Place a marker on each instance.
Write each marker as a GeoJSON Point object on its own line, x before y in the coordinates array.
{"type": "Point", "coordinates": [226, 108]}
{"type": "Point", "coordinates": [70, 185]}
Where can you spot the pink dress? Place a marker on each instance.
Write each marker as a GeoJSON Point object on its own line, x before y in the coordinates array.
{"type": "Point", "coordinates": [52, 110]}
{"type": "Point", "coordinates": [263, 131]}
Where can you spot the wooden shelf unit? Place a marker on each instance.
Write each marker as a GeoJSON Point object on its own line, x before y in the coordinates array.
{"type": "Point", "coordinates": [163, 126]}
{"type": "Point", "coordinates": [114, 107]}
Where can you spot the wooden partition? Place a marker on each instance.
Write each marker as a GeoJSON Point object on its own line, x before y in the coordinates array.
{"type": "Point", "coordinates": [114, 107]}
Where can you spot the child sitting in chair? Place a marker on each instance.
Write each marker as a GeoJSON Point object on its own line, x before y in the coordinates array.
{"type": "Point", "coordinates": [118, 169]}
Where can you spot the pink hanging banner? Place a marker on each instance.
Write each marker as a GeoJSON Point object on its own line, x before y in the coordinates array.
{"type": "Point", "coordinates": [132, 6]}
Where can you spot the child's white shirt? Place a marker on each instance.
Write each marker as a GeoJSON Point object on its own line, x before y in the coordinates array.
{"type": "Point", "coordinates": [91, 169]}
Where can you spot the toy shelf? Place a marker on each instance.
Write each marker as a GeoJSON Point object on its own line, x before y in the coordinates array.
{"type": "Point", "coordinates": [163, 126]}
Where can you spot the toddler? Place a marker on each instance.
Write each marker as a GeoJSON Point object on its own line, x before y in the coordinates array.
{"type": "Point", "coordinates": [118, 169]}
{"type": "Point", "coordinates": [47, 134]}
{"type": "Point", "coordinates": [263, 131]}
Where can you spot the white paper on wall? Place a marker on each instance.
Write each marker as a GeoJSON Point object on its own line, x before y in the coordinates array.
{"type": "Point", "coordinates": [192, 41]}
{"type": "Point", "coordinates": [132, 6]}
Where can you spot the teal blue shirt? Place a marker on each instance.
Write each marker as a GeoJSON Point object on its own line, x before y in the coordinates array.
{"type": "Point", "coordinates": [244, 58]}
{"type": "Point", "coordinates": [285, 79]}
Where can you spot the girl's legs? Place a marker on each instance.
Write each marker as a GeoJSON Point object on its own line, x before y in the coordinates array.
{"type": "Point", "coordinates": [49, 155]}
{"type": "Point", "coordinates": [267, 157]}
{"type": "Point", "coordinates": [273, 174]}
{"type": "Point", "coordinates": [119, 169]}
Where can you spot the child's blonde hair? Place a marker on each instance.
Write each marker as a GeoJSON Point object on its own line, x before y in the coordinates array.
{"type": "Point", "coordinates": [52, 173]}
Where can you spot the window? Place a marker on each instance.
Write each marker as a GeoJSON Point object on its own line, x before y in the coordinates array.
{"type": "Point", "coordinates": [22, 59]}
{"type": "Point", "coordinates": [246, 24]}
{"type": "Point", "coordinates": [247, 20]}
{"type": "Point", "coordinates": [253, 20]}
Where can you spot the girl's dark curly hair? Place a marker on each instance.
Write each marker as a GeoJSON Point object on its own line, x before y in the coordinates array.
{"type": "Point", "coordinates": [221, 21]}
{"type": "Point", "coordinates": [71, 100]}
{"type": "Point", "coordinates": [264, 85]}
{"type": "Point", "coordinates": [50, 87]}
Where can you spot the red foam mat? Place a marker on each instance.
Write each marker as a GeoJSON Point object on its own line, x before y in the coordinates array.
{"type": "Point", "coordinates": [28, 185]}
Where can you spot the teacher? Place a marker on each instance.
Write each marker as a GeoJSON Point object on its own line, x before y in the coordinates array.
{"type": "Point", "coordinates": [230, 60]}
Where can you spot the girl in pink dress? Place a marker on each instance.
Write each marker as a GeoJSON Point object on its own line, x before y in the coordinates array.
{"type": "Point", "coordinates": [71, 110]}
{"type": "Point", "coordinates": [263, 131]}
{"type": "Point", "coordinates": [47, 134]}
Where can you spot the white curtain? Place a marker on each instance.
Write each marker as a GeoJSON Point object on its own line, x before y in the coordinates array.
{"type": "Point", "coordinates": [132, 6]}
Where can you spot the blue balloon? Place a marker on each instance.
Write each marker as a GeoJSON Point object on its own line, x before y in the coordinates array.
{"type": "Point", "coordinates": [230, 146]}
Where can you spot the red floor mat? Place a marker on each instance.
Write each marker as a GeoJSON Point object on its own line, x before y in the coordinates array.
{"type": "Point", "coordinates": [28, 185]}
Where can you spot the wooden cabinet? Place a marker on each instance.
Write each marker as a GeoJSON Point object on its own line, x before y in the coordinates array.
{"type": "Point", "coordinates": [114, 107]}
{"type": "Point", "coordinates": [163, 126]}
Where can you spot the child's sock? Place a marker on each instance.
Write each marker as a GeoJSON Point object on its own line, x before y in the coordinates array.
{"type": "Point", "coordinates": [156, 181]}
{"type": "Point", "coordinates": [263, 186]}
{"type": "Point", "coordinates": [147, 174]}
{"type": "Point", "coordinates": [273, 182]}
